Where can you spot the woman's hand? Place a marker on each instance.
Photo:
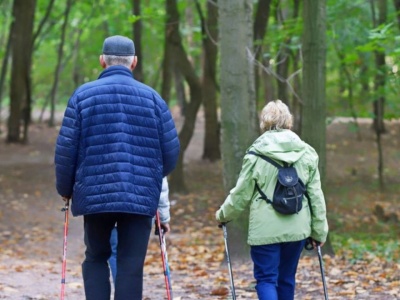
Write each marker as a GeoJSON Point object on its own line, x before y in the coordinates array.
{"type": "Point", "coordinates": [165, 227]}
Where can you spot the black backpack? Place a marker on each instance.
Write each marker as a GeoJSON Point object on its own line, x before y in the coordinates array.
{"type": "Point", "coordinates": [289, 189]}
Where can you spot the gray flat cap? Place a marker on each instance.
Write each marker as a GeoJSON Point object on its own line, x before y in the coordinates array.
{"type": "Point", "coordinates": [119, 46]}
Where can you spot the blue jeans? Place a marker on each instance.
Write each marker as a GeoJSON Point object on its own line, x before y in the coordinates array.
{"type": "Point", "coordinates": [112, 261]}
{"type": "Point", "coordinates": [133, 237]}
{"type": "Point", "coordinates": [275, 268]}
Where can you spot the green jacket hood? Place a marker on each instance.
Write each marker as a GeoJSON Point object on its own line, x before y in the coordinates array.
{"type": "Point", "coordinates": [281, 145]}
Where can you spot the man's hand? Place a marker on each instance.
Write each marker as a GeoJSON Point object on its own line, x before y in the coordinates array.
{"type": "Point", "coordinates": [66, 198]}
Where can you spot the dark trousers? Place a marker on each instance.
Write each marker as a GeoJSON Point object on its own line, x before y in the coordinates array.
{"type": "Point", "coordinates": [133, 238]}
{"type": "Point", "coordinates": [275, 268]}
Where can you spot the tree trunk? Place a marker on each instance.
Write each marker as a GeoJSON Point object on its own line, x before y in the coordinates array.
{"type": "Point", "coordinates": [314, 80]}
{"type": "Point", "coordinates": [379, 88]}
{"type": "Point", "coordinates": [43, 21]}
{"type": "Point", "coordinates": [184, 66]}
{"type": "Point", "coordinates": [397, 7]}
{"type": "Point", "coordinates": [167, 60]}
{"type": "Point", "coordinates": [380, 75]}
{"type": "Point", "coordinates": [364, 77]}
{"type": "Point", "coordinates": [348, 85]}
{"type": "Point", "coordinates": [57, 72]}
{"type": "Point", "coordinates": [282, 70]}
{"type": "Point", "coordinates": [259, 31]}
{"type": "Point", "coordinates": [137, 35]}
{"type": "Point", "coordinates": [267, 80]}
{"type": "Point", "coordinates": [35, 43]}
{"type": "Point", "coordinates": [239, 120]}
{"type": "Point", "coordinates": [21, 47]}
{"type": "Point", "coordinates": [4, 68]}
{"type": "Point", "coordinates": [282, 64]}
{"type": "Point", "coordinates": [284, 56]}
{"type": "Point", "coordinates": [76, 70]}
{"type": "Point", "coordinates": [76, 63]}
{"type": "Point", "coordinates": [211, 150]}
{"type": "Point", "coordinates": [77, 76]}
{"type": "Point", "coordinates": [296, 103]}
{"type": "Point", "coordinates": [180, 92]}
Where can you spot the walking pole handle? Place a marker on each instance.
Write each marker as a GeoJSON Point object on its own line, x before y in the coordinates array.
{"type": "Point", "coordinates": [309, 244]}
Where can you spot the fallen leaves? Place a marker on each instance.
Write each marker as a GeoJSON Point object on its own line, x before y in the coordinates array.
{"type": "Point", "coordinates": [220, 291]}
{"type": "Point", "coordinates": [31, 245]}
{"type": "Point", "coordinates": [361, 279]}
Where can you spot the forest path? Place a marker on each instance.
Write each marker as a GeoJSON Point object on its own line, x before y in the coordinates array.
{"type": "Point", "coordinates": [31, 230]}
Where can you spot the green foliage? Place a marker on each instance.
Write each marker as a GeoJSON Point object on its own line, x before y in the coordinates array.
{"type": "Point", "coordinates": [134, 18]}
{"type": "Point", "coordinates": [5, 18]}
{"type": "Point", "coordinates": [91, 22]}
{"type": "Point", "coordinates": [380, 39]}
{"type": "Point", "coordinates": [352, 41]}
{"type": "Point", "coordinates": [365, 245]}
{"type": "Point", "coordinates": [279, 33]}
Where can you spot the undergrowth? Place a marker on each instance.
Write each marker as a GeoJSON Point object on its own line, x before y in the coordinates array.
{"type": "Point", "coordinates": [361, 246]}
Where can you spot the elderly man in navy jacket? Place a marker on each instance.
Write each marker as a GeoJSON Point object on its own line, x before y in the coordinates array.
{"type": "Point", "coordinates": [116, 143]}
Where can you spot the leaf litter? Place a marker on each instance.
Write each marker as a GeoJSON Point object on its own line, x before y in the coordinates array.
{"type": "Point", "coordinates": [31, 228]}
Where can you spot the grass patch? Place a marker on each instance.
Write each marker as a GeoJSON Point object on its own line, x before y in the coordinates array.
{"type": "Point", "coordinates": [362, 246]}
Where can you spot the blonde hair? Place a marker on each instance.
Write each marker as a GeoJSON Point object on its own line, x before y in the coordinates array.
{"type": "Point", "coordinates": [276, 115]}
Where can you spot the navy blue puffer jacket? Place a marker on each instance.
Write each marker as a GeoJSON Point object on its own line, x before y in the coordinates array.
{"type": "Point", "coordinates": [116, 143]}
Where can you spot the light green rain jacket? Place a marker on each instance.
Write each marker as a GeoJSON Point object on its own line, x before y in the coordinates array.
{"type": "Point", "coordinates": [267, 226]}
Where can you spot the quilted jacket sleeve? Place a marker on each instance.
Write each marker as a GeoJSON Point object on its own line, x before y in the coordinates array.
{"type": "Point", "coordinates": [169, 137]}
{"type": "Point", "coordinates": [66, 152]}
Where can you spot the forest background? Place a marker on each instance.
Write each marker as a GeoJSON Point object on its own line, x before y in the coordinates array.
{"type": "Point", "coordinates": [216, 63]}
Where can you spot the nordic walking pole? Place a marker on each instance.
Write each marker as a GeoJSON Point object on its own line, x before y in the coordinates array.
{"type": "Point", "coordinates": [64, 261]}
{"type": "Point", "coordinates": [164, 256]}
{"type": "Point", "coordinates": [228, 259]}
{"type": "Point", "coordinates": [321, 265]}
{"type": "Point", "coordinates": [309, 246]}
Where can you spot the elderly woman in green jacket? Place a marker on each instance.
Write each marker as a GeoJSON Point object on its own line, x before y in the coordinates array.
{"type": "Point", "coordinates": [277, 240]}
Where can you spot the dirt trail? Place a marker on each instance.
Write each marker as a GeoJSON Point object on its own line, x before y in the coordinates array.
{"type": "Point", "coordinates": [31, 226]}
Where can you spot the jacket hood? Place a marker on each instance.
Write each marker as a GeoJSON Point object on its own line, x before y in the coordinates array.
{"type": "Point", "coordinates": [281, 145]}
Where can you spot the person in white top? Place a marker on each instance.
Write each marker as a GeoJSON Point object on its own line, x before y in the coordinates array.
{"type": "Point", "coordinates": [164, 212]}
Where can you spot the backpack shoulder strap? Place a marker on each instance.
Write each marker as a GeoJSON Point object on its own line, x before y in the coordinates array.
{"type": "Point", "coordinates": [263, 196]}
{"type": "Point", "coordinates": [271, 161]}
